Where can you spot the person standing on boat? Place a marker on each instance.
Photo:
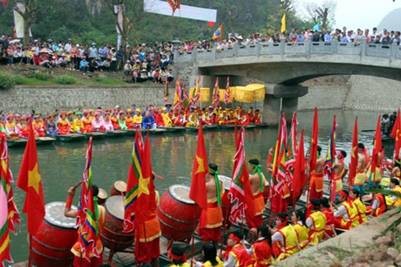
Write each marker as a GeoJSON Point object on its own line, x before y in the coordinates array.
{"type": "Point", "coordinates": [211, 219]}
{"type": "Point", "coordinates": [258, 184]}
{"type": "Point", "coordinates": [79, 261]}
{"type": "Point", "coordinates": [316, 177]}
{"type": "Point", "coordinates": [362, 167]}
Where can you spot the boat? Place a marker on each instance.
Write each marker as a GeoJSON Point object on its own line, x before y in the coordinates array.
{"type": "Point", "coordinates": [210, 127]}
{"type": "Point", "coordinates": [70, 137]}
{"type": "Point", "coordinates": [174, 129]}
{"type": "Point", "coordinates": [155, 131]}
{"type": "Point", "coordinates": [116, 133]}
{"type": "Point", "coordinates": [228, 126]}
{"type": "Point", "coordinates": [95, 135]}
{"type": "Point", "coordinates": [45, 140]}
{"type": "Point", "coordinates": [16, 142]}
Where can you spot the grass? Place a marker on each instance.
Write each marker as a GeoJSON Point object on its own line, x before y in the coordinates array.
{"type": "Point", "coordinates": [23, 75]}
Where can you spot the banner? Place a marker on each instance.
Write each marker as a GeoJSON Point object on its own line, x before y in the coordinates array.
{"type": "Point", "coordinates": [185, 11]}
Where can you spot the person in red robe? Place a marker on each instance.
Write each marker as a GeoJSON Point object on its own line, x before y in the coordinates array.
{"type": "Point", "coordinates": [262, 251]}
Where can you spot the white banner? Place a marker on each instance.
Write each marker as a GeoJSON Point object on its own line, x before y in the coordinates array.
{"type": "Point", "coordinates": [189, 12]}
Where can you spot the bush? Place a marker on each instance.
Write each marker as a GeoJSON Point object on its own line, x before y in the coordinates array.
{"type": "Point", "coordinates": [20, 80]}
{"type": "Point", "coordinates": [65, 79]}
{"type": "Point", "coordinates": [6, 81]}
{"type": "Point", "coordinates": [40, 76]}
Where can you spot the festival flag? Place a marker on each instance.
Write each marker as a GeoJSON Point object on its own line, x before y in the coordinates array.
{"type": "Point", "coordinates": [7, 176]}
{"type": "Point", "coordinates": [4, 3]}
{"type": "Point", "coordinates": [240, 195]}
{"type": "Point", "coordinates": [5, 255]}
{"type": "Point", "coordinates": [218, 34]}
{"type": "Point", "coordinates": [376, 152]}
{"type": "Point", "coordinates": [279, 157]}
{"type": "Point", "coordinates": [299, 180]}
{"type": "Point", "coordinates": [354, 155]}
{"type": "Point", "coordinates": [215, 96]}
{"type": "Point", "coordinates": [88, 215]}
{"type": "Point", "coordinates": [314, 141]}
{"type": "Point", "coordinates": [195, 97]}
{"type": "Point", "coordinates": [396, 134]}
{"type": "Point", "coordinates": [145, 204]}
{"type": "Point", "coordinates": [174, 4]}
{"type": "Point", "coordinates": [227, 92]}
{"type": "Point", "coordinates": [330, 159]}
{"type": "Point", "coordinates": [178, 96]}
{"type": "Point", "coordinates": [293, 134]}
{"type": "Point", "coordinates": [199, 171]}
{"type": "Point", "coordinates": [283, 28]}
{"type": "Point", "coordinates": [30, 181]}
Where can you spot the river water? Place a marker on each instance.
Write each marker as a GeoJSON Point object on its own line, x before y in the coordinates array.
{"type": "Point", "coordinates": [61, 165]}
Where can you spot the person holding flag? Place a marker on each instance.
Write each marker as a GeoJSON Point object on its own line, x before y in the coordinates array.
{"type": "Point", "coordinates": [258, 185]}
{"type": "Point", "coordinates": [207, 190]}
{"type": "Point", "coordinates": [141, 203]}
{"type": "Point", "coordinates": [88, 249]}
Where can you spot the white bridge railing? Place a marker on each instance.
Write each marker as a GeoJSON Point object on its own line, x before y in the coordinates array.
{"type": "Point", "coordinates": [307, 49]}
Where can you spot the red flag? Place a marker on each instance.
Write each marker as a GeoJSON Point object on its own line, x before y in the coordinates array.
{"type": "Point", "coordinates": [215, 96]}
{"type": "Point", "coordinates": [227, 92]}
{"type": "Point", "coordinates": [376, 152]}
{"type": "Point", "coordinates": [354, 155]}
{"type": "Point", "coordinates": [7, 177]}
{"type": "Point", "coordinates": [135, 173]}
{"type": "Point", "coordinates": [299, 171]}
{"type": "Point", "coordinates": [174, 4]}
{"type": "Point", "coordinates": [199, 170]}
{"type": "Point", "coordinates": [240, 195]}
{"type": "Point", "coordinates": [293, 132]}
{"type": "Point", "coordinates": [30, 181]}
{"type": "Point", "coordinates": [279, 156]}
{"type": "Point", "coordinates": [314, 141]}
{"type": "Point", "coordinates": [396, 134]}
{"type": "Point", "coordinates": [330, 159]}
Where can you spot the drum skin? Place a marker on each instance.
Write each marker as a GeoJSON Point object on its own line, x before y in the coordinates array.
{"type": "Point", "coordinates": [178, 217]}
{"type": "Point", "coordinates": [51, 245]}
{"type": "Point", "coordinates": [112, 232]}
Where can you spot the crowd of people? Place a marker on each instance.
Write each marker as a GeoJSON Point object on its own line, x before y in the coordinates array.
{"type": "Point", "coordinates": [118, 119]}
{"type": "Point", "coordinates": [144, 62]}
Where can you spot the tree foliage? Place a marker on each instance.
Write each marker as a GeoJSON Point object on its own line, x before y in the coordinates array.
{"type": "Point", "coordinates": [94, 20]}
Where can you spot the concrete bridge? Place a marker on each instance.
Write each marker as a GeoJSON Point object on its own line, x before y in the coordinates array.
{"type": "Point", "coordinates": [283, 66]}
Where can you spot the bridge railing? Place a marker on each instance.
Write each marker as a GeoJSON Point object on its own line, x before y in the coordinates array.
{"type": "Point", "coordinates": [294, 49]}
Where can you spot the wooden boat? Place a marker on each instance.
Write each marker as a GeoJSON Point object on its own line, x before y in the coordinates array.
{"type": "Point", "coordinates": [95, 135]}
{"type": "Point", "coordinates": [174, 129]}
{"type": "Point", "coordinates": [45, 140]}
{"type": "Point", "coordinates": [155, 131]}
{"type": "Point", "coordinates": [228, 126]}
{"type": "Point", "coordinates": [191, 129]}
{"type": "Point", "coordinates": [16, 142]}
{"type": "Point", "coordinates": [116, 133]}
{"type": "Point", "coordinates": [70, 138]}
{"type": "Point", "coordinates": [210, 127]}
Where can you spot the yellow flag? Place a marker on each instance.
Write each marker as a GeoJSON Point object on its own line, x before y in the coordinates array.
{"type": "Point", "coordinates": [284, 23]}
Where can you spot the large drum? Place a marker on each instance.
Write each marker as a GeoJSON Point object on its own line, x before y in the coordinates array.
{"type": "Point", "coordinates": [178, 214]}
{"type": "Point", "coordinates": [112, 232]}
{"type": "Point", "coordinates": [119, 188]}
{"type": "Point", "coordinates": [51, 245]}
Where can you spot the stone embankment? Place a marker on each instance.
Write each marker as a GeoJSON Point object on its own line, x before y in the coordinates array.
{"type": "Point", "coordinates": [48, 99]}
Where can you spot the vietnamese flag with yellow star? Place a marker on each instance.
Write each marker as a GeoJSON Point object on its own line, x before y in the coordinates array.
{"type": "Point", "coordinates": [30, 181]}
{"type": "Point", "coordinates": [199, 170]}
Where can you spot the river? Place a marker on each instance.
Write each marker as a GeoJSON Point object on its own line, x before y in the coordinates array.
{"type": "Point", "coordinates": [61, 165]}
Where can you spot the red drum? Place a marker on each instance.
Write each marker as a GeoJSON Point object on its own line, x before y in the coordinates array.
{"type": "Point", "coordinates": [225, 205]}
{"type": "Point", "coordinates": [51, 245]}
{"type": "Point", "coordinates": [178, 214]}
{"type": "Point", "coordinates": [112, 232]}
{"type": "Point", "coordinates": [119, 188]}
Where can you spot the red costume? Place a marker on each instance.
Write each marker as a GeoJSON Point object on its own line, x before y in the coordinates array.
{"type": "Point", "coordinates": [262, 253]}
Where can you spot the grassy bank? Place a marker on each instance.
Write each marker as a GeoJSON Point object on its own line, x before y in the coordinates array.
{"type": "Point", "coordinates": [26, 75]}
